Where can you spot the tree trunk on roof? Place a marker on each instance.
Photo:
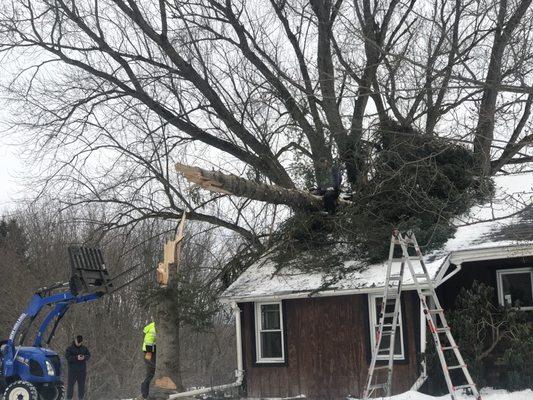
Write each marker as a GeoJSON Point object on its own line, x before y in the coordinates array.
{"type": "Point", "coordinates": [215, 181]}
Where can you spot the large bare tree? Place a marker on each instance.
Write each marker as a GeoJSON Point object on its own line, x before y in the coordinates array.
{"type": "Point", "coordinates": [115, 91]}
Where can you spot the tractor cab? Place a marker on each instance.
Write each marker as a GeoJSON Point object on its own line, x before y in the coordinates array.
{"type": "Point", "coordinates": [34, 372]}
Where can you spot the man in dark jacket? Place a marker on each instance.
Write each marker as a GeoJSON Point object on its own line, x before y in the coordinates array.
{"type": "Point", "coordinates": [77, 356]}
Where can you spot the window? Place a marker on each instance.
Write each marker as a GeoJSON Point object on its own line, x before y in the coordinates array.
{"type": "Point", "coordinates": [515, 287]}
{"type": "Point", "coordinates": [374, 304]}
{"type": "Point", "coordinates": [269, 333]}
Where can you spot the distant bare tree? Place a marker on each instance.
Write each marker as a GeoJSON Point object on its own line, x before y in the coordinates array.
{"type": "Point", "coordinates": [33, 249]}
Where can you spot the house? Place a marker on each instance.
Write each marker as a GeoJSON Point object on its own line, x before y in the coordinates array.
{"type": "Point", "coordinates": [297, 340]}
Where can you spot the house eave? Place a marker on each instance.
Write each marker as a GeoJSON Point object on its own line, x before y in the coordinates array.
{"type": "Point", "coordinates": [491, 253]}
{"type": "Point", "coordinates": [309, 294]}
{"type": "Point", "coordinates": [457, 258]}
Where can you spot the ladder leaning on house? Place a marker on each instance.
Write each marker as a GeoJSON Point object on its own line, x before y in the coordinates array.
{"type": "Point", "coordinates": [379, 377]}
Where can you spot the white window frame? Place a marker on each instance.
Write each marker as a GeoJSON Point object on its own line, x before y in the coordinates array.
{"type": "Point", "coordinates": [258, 330]}
{"type": "Point", "coordinates": [374, 322]}
{"type": "Point", "coordinates": [499, 275]}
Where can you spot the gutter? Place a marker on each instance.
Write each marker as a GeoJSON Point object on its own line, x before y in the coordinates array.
{"type": "Point", "coordinates": [491, 253]}
{"type": "Point", "coordinates": [239, 372]}
{"type": "Point", "coordinates": [311, 294]}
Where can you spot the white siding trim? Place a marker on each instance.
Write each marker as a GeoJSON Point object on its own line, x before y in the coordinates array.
{"type": "Point", "coordinates": [499, 282]}
{"type": "Point", "coordinates": [257, 312]}
{"type": "Point", "coordinates": [373, 320]}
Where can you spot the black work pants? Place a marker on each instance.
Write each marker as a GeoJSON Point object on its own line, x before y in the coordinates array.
{"type": "Point", "coordinates": [148, 376]}
{"type": "Point", "coordinates": [76, 376]}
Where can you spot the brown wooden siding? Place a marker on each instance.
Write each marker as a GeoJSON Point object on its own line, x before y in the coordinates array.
{"type": "Point", "coordinates": [327, 348]}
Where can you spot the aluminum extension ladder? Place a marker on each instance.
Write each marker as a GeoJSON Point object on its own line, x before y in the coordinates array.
{"type": "Point", "coordinates": [379, 377]}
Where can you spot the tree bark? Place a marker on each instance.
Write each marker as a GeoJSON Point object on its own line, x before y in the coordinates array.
{"type": "Point", "coordinates": [484, 134]}
{"type": "Point", "coordinates": [325, 13]}
{"type": "Point", "coordinates": [168, 371]}
{"type": "Point", "coordinates": [215, 181]}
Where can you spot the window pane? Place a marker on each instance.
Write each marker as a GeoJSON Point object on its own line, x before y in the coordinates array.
{"type": "Point", "coordinates": [517, 288]}
{"type": "Point", "coordinates": [385, 340]}
{"type": "Point", "coordinates": [271, 345]}
{"type": "Point", "coordinates": [270, 318]}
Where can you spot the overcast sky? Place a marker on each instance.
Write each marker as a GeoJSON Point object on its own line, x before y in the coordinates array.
{"type": "Point", "coordinates": [11, 168]}
{"type": "Point", "coordinates": [11, 164]}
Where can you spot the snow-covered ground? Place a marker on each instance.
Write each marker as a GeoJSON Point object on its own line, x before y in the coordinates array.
{"type": "Point", "coordinates": [486, 394]}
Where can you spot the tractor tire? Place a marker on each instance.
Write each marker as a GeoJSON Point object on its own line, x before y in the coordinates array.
{"type": "Point", "coordinates": [56, 392]}
{"type": "Point", "coordinates": [21, 390]}
{"type": "Point", "coordinates": [60, 391]}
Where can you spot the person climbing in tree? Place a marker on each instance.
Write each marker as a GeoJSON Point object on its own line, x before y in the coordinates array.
{"type": "Point", "coordinates": [77, 356]}
{"type": "Point", "coordinates": [149, 351]}
{"type": "Point", "coordinates": [329, 185]}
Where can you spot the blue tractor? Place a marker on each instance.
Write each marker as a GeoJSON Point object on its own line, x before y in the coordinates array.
{"type": "Point", "coordinates": [34, 372]}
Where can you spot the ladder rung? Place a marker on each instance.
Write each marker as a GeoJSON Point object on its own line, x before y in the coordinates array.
{"type": "Point", "coordinates": [436, 311]}
{"type": "Point", "coordinates": [457, 366]}
{"type": "Point", "coordinates": [411, 258]}
{"type": "Point", "coordinates": [381, 367]}
{"type": "Point", "coordinates": [395, 277]}
{"type": "Point", "coordinates": [405, 240]}
{"type": "Point", "coordinates": [386, 333]}
{"type": "Point", "coordinates": [449, 348]}
{"type": "Point", "coordinates": [422, 276]}
{"type": "Point", "coordinates": [388, 315]}
{"type": "Point", "coordinates": [467, 386]}
{"type": "Point", "coordinates": [442, 330]}
{"type": "Point", "coordinates": [378, 386]}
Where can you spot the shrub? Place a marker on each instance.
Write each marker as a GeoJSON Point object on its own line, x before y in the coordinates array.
{"type": "Point", "coordinates": [487, 335]}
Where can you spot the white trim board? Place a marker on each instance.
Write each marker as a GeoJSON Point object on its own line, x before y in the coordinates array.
{"type": "Point", "coordinates": [510, 271]}
{"type": "Point", "coordinates": [258, 330]}
{"type": "Point", "coordinates": [373, 321]}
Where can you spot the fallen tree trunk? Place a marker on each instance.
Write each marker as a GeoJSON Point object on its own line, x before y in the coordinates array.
{"type": "Point", "coordinates": [215, 181]}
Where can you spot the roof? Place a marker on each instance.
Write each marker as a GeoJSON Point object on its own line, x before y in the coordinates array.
{"type": "Point", "coordinates": [502, 228]}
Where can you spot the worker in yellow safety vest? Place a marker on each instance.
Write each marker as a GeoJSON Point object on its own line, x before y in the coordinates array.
{"type": "Point", "coordinates": [149, 351]}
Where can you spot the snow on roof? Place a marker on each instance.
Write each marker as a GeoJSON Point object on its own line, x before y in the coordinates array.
{"type": "Point", "coordinates": [505, 222]}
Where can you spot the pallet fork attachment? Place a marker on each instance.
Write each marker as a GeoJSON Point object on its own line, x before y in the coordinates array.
{"type": "Point", "coordinates": [88, 273]}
